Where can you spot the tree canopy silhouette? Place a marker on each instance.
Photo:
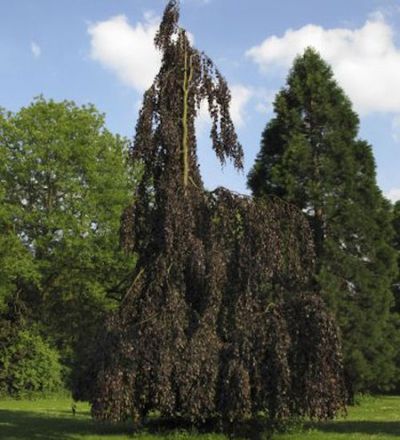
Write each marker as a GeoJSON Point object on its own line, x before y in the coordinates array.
{"type": "Point", "coordinates": [311, 156]}
{"type": "Point", "coordinates": [218, 322]}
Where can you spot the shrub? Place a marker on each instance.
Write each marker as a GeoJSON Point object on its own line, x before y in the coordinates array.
{"type": "Point", "coordinates": [28, 365]}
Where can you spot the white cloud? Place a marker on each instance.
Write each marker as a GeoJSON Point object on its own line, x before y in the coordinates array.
{"type": "Point", "coordinates": [265, 100]}
{"type": "Point", "coordinates": [393, 194]}
{"type": "Point", "coordinates": [365, 61]}
{"type": "Point", "coordinates": [127, 50]}
{"type": "Point", "coordinates": [203, 120]}
{"type": "Point", "coordinates": [35, 49]}
{"type": "Point", "coordinates": [240, 96]}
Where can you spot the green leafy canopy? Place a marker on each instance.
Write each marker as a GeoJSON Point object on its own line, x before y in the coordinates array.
{"type": "Point", "coordinates": [64, 181]}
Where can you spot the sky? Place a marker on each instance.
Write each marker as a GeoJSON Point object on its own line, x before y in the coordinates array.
{"type": "Point", "coordinates": [101, 52]}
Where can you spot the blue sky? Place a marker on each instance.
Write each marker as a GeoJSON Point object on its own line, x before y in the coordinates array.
{"type": "Point", "coordinates": [100, 51]}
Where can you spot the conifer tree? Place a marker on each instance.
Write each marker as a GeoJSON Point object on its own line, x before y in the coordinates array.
{"type": "Point", "coordinates": [396, 243]}
{"type": "Point", "coordinates": [311, 156]}
{"type": "Point", "coordinates": [217, 323]}
{"type": "Point", "coordinates": [396, 287]}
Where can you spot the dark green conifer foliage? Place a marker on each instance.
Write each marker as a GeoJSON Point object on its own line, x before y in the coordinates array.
{"type": "Point", "coordinates": [396, 227]}
{"type": "Point", "coordinates": [396, 244]}
{"type": "Point", "coordinates": [217, 323]}
{"type": "Point", "coordinates": [396, 288]}
{"type": "Point", "coordinates": [310, 156]}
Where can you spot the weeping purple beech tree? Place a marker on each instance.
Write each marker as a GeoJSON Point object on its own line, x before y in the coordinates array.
{"type": "Point", "coordinates": [219, 321]}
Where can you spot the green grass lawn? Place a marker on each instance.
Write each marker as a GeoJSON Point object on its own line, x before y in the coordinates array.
{"type": "Point", "coordinates": [375, 418]}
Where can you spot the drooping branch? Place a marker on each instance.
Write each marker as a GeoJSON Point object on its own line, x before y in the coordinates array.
{"type": "Point", "coordinates": [211, 325]}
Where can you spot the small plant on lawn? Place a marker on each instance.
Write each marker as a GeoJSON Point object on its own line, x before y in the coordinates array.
{"type": "Point", "coordinates": [29, 367]}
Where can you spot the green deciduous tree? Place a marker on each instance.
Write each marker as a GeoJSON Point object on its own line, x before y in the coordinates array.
{"type": "Point", "coordinates": [16, 262]}
{"type": "Point", "coordinates": [64, 183]}
{"type": "Point", "coordinates": [311, 156]}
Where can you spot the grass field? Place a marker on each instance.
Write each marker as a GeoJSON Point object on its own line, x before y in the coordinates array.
{"type": "Point", "coordinates": [374, 418]}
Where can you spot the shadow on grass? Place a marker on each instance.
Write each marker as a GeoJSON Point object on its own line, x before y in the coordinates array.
{"type": "Point", "coordinates": [360, 427]}
{"type": "Point", "coordinates": [25, 425]}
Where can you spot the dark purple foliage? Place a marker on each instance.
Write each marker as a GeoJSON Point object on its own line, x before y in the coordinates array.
{"type": "Point", "coordinates": [217, 323]}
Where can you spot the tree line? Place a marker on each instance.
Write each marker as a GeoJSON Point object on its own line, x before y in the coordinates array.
{"type": "Point", "coordinates": [64, 182]}
{"type": "Point", "coordinates": [211, 270]}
